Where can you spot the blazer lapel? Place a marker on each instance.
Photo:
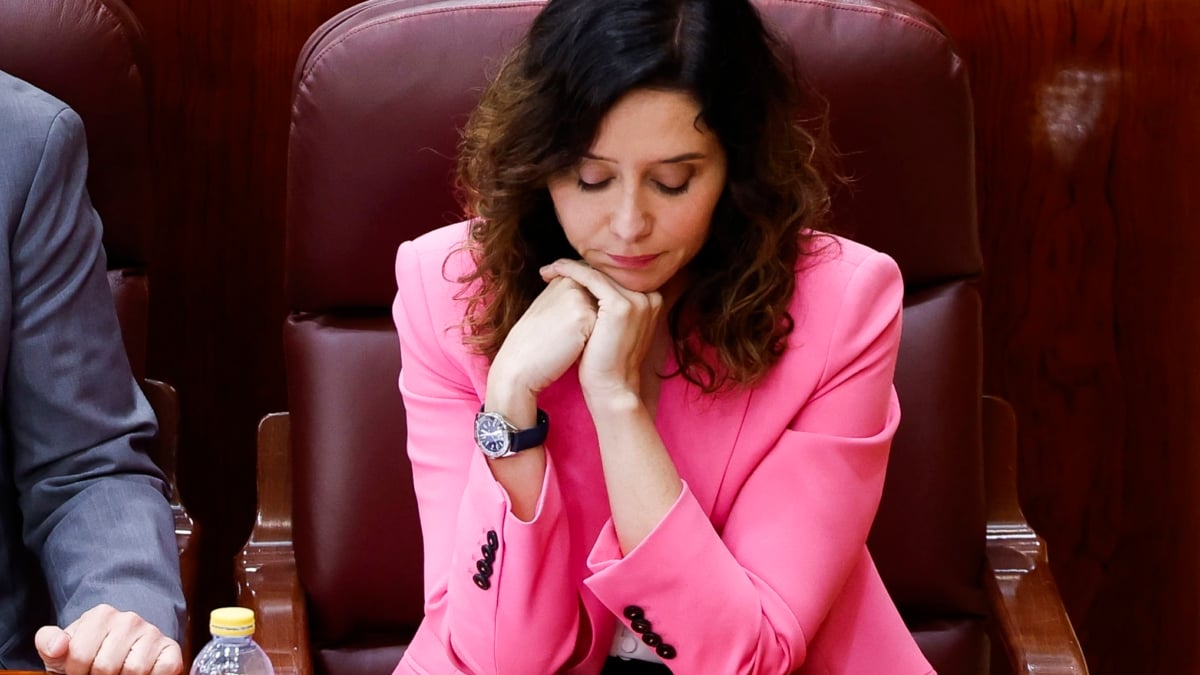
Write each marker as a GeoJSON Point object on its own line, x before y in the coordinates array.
{"type": "Point", "coordinates": [700, 431]}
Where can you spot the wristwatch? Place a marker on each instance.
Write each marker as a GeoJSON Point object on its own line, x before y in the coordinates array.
{"type": "Point", "coordinates": [497, 437]}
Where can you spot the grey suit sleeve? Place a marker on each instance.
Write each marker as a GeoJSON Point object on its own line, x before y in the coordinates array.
{"type": "Point", "coordinates": [94, 504]}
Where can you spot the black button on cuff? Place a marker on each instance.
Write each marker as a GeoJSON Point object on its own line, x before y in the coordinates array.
{"type": "Point", "coordinates": [488, 550]}
{"type": "Point", "coordinates": [652, 639]}
{"type": "Point", "coordinates": [633, 613]}
{"type": "Point", "coordinates": [640, 625]}
{"type": "Point", "coordinates": [665, 651]}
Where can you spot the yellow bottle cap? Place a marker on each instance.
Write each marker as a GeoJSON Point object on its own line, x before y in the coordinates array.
{"type": "Point", "coordinates": [231, 622]}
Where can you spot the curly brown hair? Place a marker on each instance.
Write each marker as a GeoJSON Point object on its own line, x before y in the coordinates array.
{"type": "Point", "coordinates": [540, 115]}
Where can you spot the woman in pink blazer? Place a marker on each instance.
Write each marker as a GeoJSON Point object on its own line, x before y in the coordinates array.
{"type": "Point", "coordinates": [649, 404]}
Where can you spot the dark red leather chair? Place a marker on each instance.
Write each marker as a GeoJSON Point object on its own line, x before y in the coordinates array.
{"type": "Point", "coordinates": [91, 55]}
{"type": "Point", "coordinates": [334, 565]}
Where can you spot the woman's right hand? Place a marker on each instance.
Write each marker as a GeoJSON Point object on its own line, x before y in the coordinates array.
{"type": "Point", "coordinates": [546, 340]}
{"type": "Point", "coordinates": [541, 346]}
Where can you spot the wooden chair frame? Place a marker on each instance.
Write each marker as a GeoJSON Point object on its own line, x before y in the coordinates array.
{"type": "Point", "coordinates": [165, 402]}
{"type": "Point", "coordinates": [1025, 602]}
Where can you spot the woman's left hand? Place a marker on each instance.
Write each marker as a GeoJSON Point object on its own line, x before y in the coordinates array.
{"type": "Point", "coordinates": [611, 364]}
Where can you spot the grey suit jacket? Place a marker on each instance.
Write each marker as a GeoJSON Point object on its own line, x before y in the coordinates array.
{"type": "Point", "coordinates": [83, 511]}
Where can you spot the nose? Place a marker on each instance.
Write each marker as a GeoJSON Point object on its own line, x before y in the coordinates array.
{"type": "Point", "coordinates": [631, 220]}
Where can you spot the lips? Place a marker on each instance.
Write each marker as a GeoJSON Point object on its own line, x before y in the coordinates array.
{"type": "Point", "coordinates": [632, 262]}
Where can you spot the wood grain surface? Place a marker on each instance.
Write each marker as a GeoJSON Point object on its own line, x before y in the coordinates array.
{"type": "Point", "coordinates": [1088, 141]}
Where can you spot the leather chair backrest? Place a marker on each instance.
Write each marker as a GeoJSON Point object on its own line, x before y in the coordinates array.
{"type": "Point", "coordinates": [91, 55]}
{"type": "Point", "coordinates": [380, 92]}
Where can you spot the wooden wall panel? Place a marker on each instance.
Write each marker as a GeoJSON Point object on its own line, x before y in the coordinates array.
{"type": "Point", "coordinates": [222, 78]}
{"type": "Point", "coordinates": [1088, 141]}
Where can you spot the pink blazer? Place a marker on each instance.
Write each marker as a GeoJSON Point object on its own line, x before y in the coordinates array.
{"type": "Point", "coordinates": [761, 565]}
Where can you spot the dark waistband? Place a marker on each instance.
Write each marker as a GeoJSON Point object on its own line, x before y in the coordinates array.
{"type": "Point", "coordinates": [619, 666]}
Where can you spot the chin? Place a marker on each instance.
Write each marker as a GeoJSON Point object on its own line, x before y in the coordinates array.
{"type": "Point", "coordinates": [635, 281]}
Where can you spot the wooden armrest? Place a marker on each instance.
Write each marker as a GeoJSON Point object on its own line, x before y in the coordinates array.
{"type": "Point", "coordinates": [265, 570]}
{"type": "Point", "coordinates": [1028, 609]}
{"type": "Point", "coordinates": [165, 451]}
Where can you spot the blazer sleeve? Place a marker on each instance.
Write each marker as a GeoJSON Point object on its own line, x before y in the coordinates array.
{"type": "Point", "coordinates": [93, 503]}
{"type": "Point", "coordinates": [749, 598]}
{"type": "Point", "coordinates": [526, 590]}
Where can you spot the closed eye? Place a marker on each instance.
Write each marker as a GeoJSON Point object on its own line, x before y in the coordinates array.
{"type": "Point", "coordinates": [673, 191]}
{"type": "Point", "coordinates": [593, 187]}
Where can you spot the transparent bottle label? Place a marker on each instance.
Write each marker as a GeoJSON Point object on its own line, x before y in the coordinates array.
{"type": "Point", "coordinates": [232, 656]}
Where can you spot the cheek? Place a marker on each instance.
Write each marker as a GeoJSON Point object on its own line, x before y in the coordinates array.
{"type": "Point", "coordinates": [696, 221]}
{"type": "Point", "coordinates": [558, 197]}
{"type": "Point", "coordinates": [686, 232]}
{"type": "Point", "coordinates": [572, 215]}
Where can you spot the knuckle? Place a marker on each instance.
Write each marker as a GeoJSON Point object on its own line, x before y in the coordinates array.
{"type": "Point", "coordinates": [101, 611]}
{"type": "Point", "coordinates": [106, 665]}
{"type": "Point", "coordinates": [585, 320]}
{"type": "Point", "coordinates": [171, 654]}
{"type": "Point", "coordinates": [128, 620]}
{"type": "Point", "coordinates": [137, 663]}
{"type": "Point", "coordinates": [168, 666]}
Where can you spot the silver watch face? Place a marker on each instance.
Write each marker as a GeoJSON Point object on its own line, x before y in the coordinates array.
{"type": "Point", "coordinates": [493, 434]}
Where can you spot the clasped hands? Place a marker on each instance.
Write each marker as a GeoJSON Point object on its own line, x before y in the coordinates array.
{"type": "Point", "coordinates": [104, 640]}
{"type": "Point", "coordinates": [583, 315]}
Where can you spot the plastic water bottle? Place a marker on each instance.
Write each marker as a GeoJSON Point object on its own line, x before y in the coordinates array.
{"type": "Point", "coordinates": [232, 650]}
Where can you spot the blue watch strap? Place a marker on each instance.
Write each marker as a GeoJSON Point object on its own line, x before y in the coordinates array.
{"type": "Point", "coordinates": [533, 436]}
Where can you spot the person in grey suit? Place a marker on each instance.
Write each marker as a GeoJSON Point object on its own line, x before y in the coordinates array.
{"type": "Point", "coordinates": [87, 547]}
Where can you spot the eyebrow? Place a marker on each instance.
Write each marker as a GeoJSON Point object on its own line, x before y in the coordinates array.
{"type": "Point", "coordinates": [685, 157]}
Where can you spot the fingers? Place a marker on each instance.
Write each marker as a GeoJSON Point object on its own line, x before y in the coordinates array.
{"type": "Point", "coordinates": [52, 644]}
{"type": "Point", "coordinates": [596, 282]}
{"type": "Point", "coordinates": [170, 661]}
{"type": "Point", "coordinates": [546, 340]}
{"type": "Point", "coordinates": [160, 656]}
{"type": "Point", "coordinates": [105, 641]}
{"type": "Point", "coordinates": [567, 304]}
{"type": "Point", "coordinates": [626, 322]}
{"type": "Point", "coordinates": [609, 294]}
{"type": "Point", "coordinates": [88, 633]}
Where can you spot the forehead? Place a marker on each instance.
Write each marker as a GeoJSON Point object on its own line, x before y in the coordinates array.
{"type": "Point", "coordinates": [652, 124]}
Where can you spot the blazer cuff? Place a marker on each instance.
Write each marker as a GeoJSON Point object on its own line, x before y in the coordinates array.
{"type": "Point", "coordinates": [524, 589]}
{"type": "Point", "coordinates": [606, 552]}
{"type": "Point", "coordinates": [681, 578]}
{"type": "Point", "coordinates": [486, 520]}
